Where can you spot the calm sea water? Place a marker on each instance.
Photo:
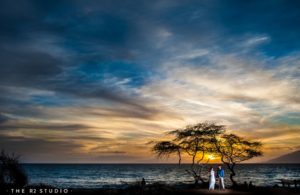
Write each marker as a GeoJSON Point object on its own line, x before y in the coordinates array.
{"type": "Point", "coordinates": [119, 175]}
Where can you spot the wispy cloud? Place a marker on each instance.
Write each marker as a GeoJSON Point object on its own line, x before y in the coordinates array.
{"type": "Point", "coordinates": [257, 40]}
{"type": "Point", "coordinates": [97, 81]}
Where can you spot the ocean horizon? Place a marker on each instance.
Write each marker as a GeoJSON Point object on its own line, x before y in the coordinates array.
{"type": "Point", "coordinates": [111, 175]}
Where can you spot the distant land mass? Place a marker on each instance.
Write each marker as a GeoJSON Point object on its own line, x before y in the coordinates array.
{"type": "Point", "coordinates": [293, 157]}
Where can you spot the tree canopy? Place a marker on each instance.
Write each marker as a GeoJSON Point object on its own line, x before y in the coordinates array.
{"type": "Point", "coordinates": [197, 141]}
{"type": "Point", "coordinates": [194, 141]}
{"type": "Point", "coordinates": [233, 149]}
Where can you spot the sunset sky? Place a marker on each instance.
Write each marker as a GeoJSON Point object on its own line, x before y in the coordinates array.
{"type": "Point", "coordinates": [95, 81]}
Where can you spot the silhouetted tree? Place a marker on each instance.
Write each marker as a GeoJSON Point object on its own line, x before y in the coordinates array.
{"type": "Point", "coordinates": [234, 149]}
{"type": "Point", "coordinates": [194, 141]}
{"type": "Point", "coordinates": [11, 172]}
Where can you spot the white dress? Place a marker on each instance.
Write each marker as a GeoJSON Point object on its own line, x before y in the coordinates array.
{"type": "Point", "coordinates": [212, 180]}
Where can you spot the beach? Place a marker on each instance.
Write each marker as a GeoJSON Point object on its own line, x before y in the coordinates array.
{"type": "Point", "coordinates": [158, 189]}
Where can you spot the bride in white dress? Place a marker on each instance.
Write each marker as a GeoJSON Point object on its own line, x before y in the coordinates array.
{"type": "Point", "coordinates": [212, 179]}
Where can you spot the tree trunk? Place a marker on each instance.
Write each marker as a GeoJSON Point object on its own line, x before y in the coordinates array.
{"type": "Point", "coordinates": [231, 177]}
{"type": "Point", "coordinates": [197, 179]}
{"type": "Point", "coordinates": [232, 174]}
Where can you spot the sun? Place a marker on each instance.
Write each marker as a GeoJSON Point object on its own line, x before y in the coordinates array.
{"type": "Point", "coordinates": [210, 157]}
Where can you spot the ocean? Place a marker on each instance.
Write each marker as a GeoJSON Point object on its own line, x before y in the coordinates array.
{"type": "Point", "coordinates": [120, 175]}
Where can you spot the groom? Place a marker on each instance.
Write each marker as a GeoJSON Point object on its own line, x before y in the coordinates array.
{"type": "Point", "coordinates": [220, 175]}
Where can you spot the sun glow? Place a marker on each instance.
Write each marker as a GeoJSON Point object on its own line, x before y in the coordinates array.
{"type": "Point", "coordinates": [210, 157]}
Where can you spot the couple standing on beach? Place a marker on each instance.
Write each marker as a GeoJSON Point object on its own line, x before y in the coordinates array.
{"type": "Point", "coordinates": [212, 178]}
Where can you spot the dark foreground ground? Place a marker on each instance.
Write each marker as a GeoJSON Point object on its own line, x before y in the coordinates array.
{"type": "Point", "coordinates": [167, 190]}
{"type": "Point", "coordinates": [154, 189]}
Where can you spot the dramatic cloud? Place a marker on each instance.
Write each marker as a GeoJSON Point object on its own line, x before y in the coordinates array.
{"type": "Point", "coordinates": [94, 81]}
